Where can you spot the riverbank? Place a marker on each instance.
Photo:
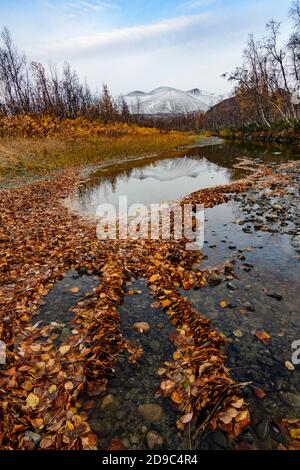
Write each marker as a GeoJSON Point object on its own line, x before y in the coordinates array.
{"type": "Point", "coordinates": [52, 366]}
{"type": "Point", "coordinates": [30, 146]}
{"type": "Point", "coordinates": [276, 134]}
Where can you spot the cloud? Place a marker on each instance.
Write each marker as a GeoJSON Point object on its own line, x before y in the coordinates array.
{"type": "Point", "coordinates": [76, 8]}
{"type": "Point", "coordinates": [118, 39]}
{"type": "Point", "coordinates": [199, 3]}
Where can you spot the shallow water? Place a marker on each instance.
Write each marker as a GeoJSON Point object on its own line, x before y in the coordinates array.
{"type": "Point", "coordinates": [172, 176]}
{"type": "Point", "coordinates": [266, 266]}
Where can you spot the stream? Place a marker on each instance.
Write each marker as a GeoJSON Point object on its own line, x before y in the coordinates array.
{"type": "Point", "coordinates": [263, 295]}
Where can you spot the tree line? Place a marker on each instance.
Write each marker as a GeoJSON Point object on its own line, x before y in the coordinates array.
{"type": "Point", "coordinates": [267, 84]}
{"type": "Point", "coordinates": [28, 88]}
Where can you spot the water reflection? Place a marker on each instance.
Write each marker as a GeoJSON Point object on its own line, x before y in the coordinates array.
{"type": "Point", "coordinates": [176, 174]}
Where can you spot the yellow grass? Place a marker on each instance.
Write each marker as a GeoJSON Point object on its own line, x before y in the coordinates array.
{"type": "Point", "coordinates": [19, 155]}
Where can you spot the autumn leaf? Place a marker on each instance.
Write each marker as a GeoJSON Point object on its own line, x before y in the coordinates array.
{"type": "Point", "coordinates": [289, 365]}
{"type": "Point", "coordinates": [64, 349]}
{"type": "Point", "coordinates": [295, 433]}
{"type": "Point", "coordinates": [177, 396]}
{"type": "Point", "coordinates": [263, 337]}
{"type": "Point", "coordinates": [74, 290]}
{"type": "Point", "coordinates": [259, 392]}
{"type": "Point", "coordinates": [32, 400]}
{"type": "Point", "coordinates": [223, 304]}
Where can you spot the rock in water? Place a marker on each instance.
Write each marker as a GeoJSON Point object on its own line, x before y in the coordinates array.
{"type": "Point", "coordinates": [141, 327]}
{"type": "Point", "coordinates": [151, 412]}
{"type": "Point", "coordinates": [154, 440]}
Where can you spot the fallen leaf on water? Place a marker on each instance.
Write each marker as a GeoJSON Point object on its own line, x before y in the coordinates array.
{"type": "Point", "coordinates": [223, 304]}
{"type": "Point", "coordinates": [187, 418]}
{"type": "Point", "coordinates": [259, 392]}
{"type": "Point", "coordinates": [238, 333]}
{"type": "Point", "coordinates": [166, 303]}
{"type": "Point", "coordinates": [74, 290]}
{"type": "Point", "coordinates": [263, 337]}
{"type": "Point", "coordinates": [289, 365]}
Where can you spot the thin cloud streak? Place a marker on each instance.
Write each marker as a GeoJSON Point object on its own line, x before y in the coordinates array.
{"type": "Point", "coordinates": [87, 6]}
{"type": "Point", "coordinates": [122, 37]}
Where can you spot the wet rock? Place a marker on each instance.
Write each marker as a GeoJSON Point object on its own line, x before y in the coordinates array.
{"type": "Point", "coordinates": [101, 427]}
{"type": "Point", "coordinates": [109, 403]}
{"type": "Point", "coordinates": [216, 279]}
{"type": "Point", "coordinates": [271, 217]}
{"type": "Point", "coordinates": [141, 327]}
{"type": "Point", "coordinates": [249, 307]}
{"type": "Point", "coordinates": [296, 242]}
{"type": "Point", "coordinates": [154, 440]}
{"type": "Point", "coordinates": [134, 439]}
{"type": "Point", "coordinates": [126, 443]}
{"type": "Point", "coordinates": [151, 412]}
{"type": "Point", "coordinates": [292, 399]}
{"type": "Point", "coordinates": [220, 439]}
{"type": "Point", "coordinates": [154, 345]}
{"type": "Point", "coordinates": [32, 436]}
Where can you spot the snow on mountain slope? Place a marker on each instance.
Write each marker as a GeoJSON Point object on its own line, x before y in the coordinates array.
{"type": "Point", "coordinates": [170, 101]}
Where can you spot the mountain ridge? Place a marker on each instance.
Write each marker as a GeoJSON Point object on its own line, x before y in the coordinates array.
{"type": "Point", "coordinates": [166, 100]}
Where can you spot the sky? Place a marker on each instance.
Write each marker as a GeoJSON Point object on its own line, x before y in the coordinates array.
{"type": "Point", "coordinates": [142, 44]}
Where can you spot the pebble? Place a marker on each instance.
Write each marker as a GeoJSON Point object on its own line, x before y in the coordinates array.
{"type": "Point", "coordinates": [154, 440]}
{"type": "Point", "coordinates": [151, 412]}
{"type": "Point", "coordinates": [141, 327]}
{"type": "Point", "coordinates": [32, 436]}
{"type": "Point", "coordinates": [109, 403]}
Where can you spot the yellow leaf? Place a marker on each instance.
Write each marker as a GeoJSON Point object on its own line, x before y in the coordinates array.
{"type": "Point", "coordinates": [69, 386]}
{"type": "Point", "coordinates": [295, 433]}
{"type": "Point", "coordinates": [154, 278]}
{"type": "Point", "coordinates": [32, 400]}
{"type": "Point", "coordinates": [223, 304]}
{"type": "Point", "coordinates": [64, 349]}
{"type": "Point", "coordinates": [176, 355]}
{"type": "Point", "coordinates": [289, 365]}
{"type": "Point", "coordinates": [166, 303]}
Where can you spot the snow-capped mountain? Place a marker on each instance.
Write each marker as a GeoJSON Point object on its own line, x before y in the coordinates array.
{"type": "Point", "coordinates": [167, 100]}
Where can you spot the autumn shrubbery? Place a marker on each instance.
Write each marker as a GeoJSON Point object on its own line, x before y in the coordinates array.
{"type": "Point", "coordinates": [48, 126]}
{"type": "Point", "coordinates": [45, 143]}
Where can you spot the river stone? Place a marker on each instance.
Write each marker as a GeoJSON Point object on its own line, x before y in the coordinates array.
{"type": "Point", "coordinates": [296, 242]}
{"type": "Point", "coordinates": [141, 327]}
{"type": "Point", "coordinates": [102, 428]}
{"type": "Point", "coordinates": [32, 436]}
{"type": "Point", "coordinates": [109, 403]}
{"type": "Point", "coordinates": [215, 279]}
{"type": "Point", "coordinates": [292, 399]}
{"type": "Point", "coordinates": [154, 440]}
{"type": "Point", "coordinates": [271, 217]}
{"type": "Point", "coordinates": [151, 412]}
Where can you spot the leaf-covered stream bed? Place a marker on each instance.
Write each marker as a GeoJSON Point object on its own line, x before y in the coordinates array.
{"type": "Point", "coordinates": [109, 344]}
{"type": "Point", "coordinates": [255, 305]}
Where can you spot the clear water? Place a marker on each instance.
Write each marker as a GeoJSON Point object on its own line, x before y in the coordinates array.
{"type": "Point", "coordinates": [173, 175]}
